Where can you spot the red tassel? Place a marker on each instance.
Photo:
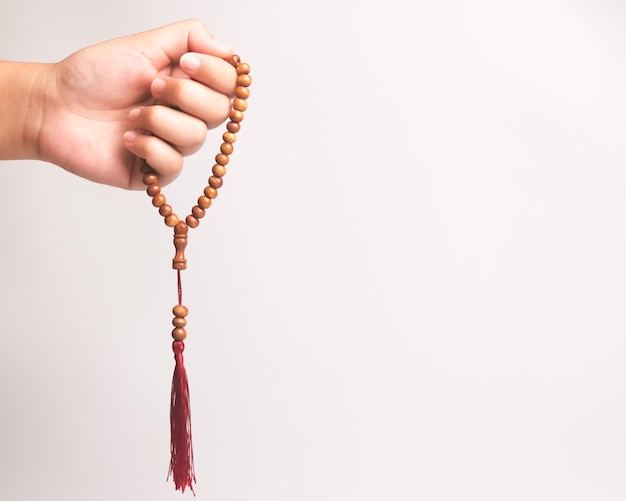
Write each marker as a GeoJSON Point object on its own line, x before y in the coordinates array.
{"type": "Point", "coordinates": [181, 464]}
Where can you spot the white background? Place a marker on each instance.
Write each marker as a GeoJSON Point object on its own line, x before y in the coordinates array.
{"type": "Point", "coordinates": [411, 287]}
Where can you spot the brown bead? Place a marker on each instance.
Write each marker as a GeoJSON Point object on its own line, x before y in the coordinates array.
{"type": "Point", "coordinates": [233, 127]}
{"type": "Point", "coordinates": [179, 333]}
{"type": "Point", "coordinates": [150, 178]}
{"type": "Point", "coordinates": [180, 310]}
{"type": "Point", "coordinates": [205, 202]}
{"type": "Point", "coordinates": [181, 231]}
{"type": "Point", "coordinates": [227, 148]}
{"type": "Point", "coordinates": [229, 137]}
{"type": "Point", "coordinates": [159, 200]}
{"type": "Point", "coordinates": [244, 80]}
{"type": "Point", "coordinates": [153, 190]}
{"type": "Point", "coordinates": [145, 169]}
{"type": "Point", "coordinates": [210, 192]}
{"type": "Point", "coordinates": [179, 321]}
{"type": "Point", "coordinates": [234, 60]}
{"type": "Point", "coordinates": [243, 68]}
{"type": "Point", "coordinates": [219, 170]}
{"type": "Point", "coordinates": [216, 182]}
{"type": "Point", "coordinates": [165, 210]}
{"type": "Point", "coordinates": [240, 104]}
{"type": "Point", "coordinates": [236, 116]}
{"type": "Point", "coordinates": [171, 220]}
{"type": "Point", "coordinates": [191, 221]}
{"type": "Point", "coordinates": [197, 212]}
{"type": "Point", "coordinates": [242, 92]}
{"type": "Point", "coordinates": [221, 159]}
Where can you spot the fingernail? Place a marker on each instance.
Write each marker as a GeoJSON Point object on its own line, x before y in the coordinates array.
{"type": "Point", "coordinates": [190, 61]}
{"type": "Point", "coordinates": [158, 84]}
{"type": "Point", "coordinates": [130, 136]}
{"type": "Point", "coordinates": [134, 114]}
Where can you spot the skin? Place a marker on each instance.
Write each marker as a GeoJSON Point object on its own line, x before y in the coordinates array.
{"type": "Point", "coordinates": [106, 109]}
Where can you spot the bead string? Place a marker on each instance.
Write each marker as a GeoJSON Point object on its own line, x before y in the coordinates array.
{"type": "Point", "coordinates": [151, 180]}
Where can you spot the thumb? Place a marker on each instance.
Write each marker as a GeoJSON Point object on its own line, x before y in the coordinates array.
{"type": "Point", "coordinates": [167, 44]}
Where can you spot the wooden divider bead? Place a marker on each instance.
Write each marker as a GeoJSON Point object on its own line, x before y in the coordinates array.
{"type": "Point", "coordinates": [180, 242]}
{"type": "Point", "coordinates": [219, 170]}
{"type": "Point", "coordinates": [204, 202]}
{"type": "Point", "coordinates": [197, 212]}
{"type": "Point", "coordinates": [233, 127]}
{"type": "Point", "coordinates": [165, 210]}
{"type": "Point", "coordinates": [216, 182]}
{"type": "Point", "coordinates": [227, 148]}
{"type": "Point", "coordinates": [191, 221]}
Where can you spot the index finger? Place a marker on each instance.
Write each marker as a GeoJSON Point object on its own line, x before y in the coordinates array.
{"type": "Point", "coordinates": [212, 71]}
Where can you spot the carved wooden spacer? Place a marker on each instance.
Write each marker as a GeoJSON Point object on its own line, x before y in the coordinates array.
{"type": "Point", "coordinates": [180, 242]}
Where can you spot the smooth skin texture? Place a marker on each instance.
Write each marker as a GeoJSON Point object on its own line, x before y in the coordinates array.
{"type": "Point", "coordinates": [106, 109]}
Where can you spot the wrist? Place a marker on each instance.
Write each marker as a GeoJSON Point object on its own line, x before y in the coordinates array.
{"type": "Point", "coordinates": [23, 89]}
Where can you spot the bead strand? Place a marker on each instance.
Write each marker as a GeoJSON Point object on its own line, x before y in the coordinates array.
{"type": "Point", "coordinates": [215, 182]}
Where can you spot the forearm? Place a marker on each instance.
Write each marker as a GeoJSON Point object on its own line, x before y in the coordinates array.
{"type": "Point", "coordinates": [22, 99]}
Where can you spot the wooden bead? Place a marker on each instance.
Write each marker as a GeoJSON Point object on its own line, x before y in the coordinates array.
{"type": "Point", "coordinates": [165, 210]}
{"type": "Point", "coordinates": [150, 178]}
{"type": "Point", "coordinates": [229, 137]}
{"type": "Point", "coordinates": [219, 170]}
{"type": "Point", "coordinates": [153, 190]}
{"type": "Point", "coordinates": [179, 333]}
{"type": "Point", "coordinates": [236, 116]}
{"type": "Point", "coordinates": [204, 202]}
{"type": "Point", "coordinates": [197, 212]}
{"type": "Point", "coordinates": [171, 220]}
{"type": "Point", "coordinates": [145, 169]}
{"type": "Point", "coordinates": [244, 80]}
{"type": "Point", "coordinates": [159, 200]}
{"type": "Point", "coordinates": [242, 92]}
{"type": "Point", "coordinates": [210, 192]}
{"type": "Point", "coordinates": [240, 104]}
{"type": "Point", "coordinates": [233, 127]}
{"type": "Point", "coordinates": [216, 182]}
{"type": "Point", "coordinates": [191, 221]}
{"type": "Point", "coordinates": [221, 159]}
{"type": "Point", "coordinates": [233, 59]}
{"type": "Point", "coordinates": [180, 310]}
{"type": "Point", "coordinates": [179, 321]}
{"type": "Point", "coordinates": [243, 68]}
{"type": "Point", "coordinates": [181, 231]}
{"type": "Point", "coordinates": [227, 148]}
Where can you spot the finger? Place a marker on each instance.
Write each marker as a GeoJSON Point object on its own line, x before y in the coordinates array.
{"type": "Point", "coordinates": [167, 44]}
{"type": "Point", "coordinates": [161, 156]}
{"type": "Point", "coordinates": [192, 97]}
{"type": "Point", "coordinates": [183, 131]}
{"type": "Point", "coordinates": [211, 71]}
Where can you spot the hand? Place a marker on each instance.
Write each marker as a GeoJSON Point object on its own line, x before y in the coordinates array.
{"type": "Point", "coordinates": [147, 96]}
